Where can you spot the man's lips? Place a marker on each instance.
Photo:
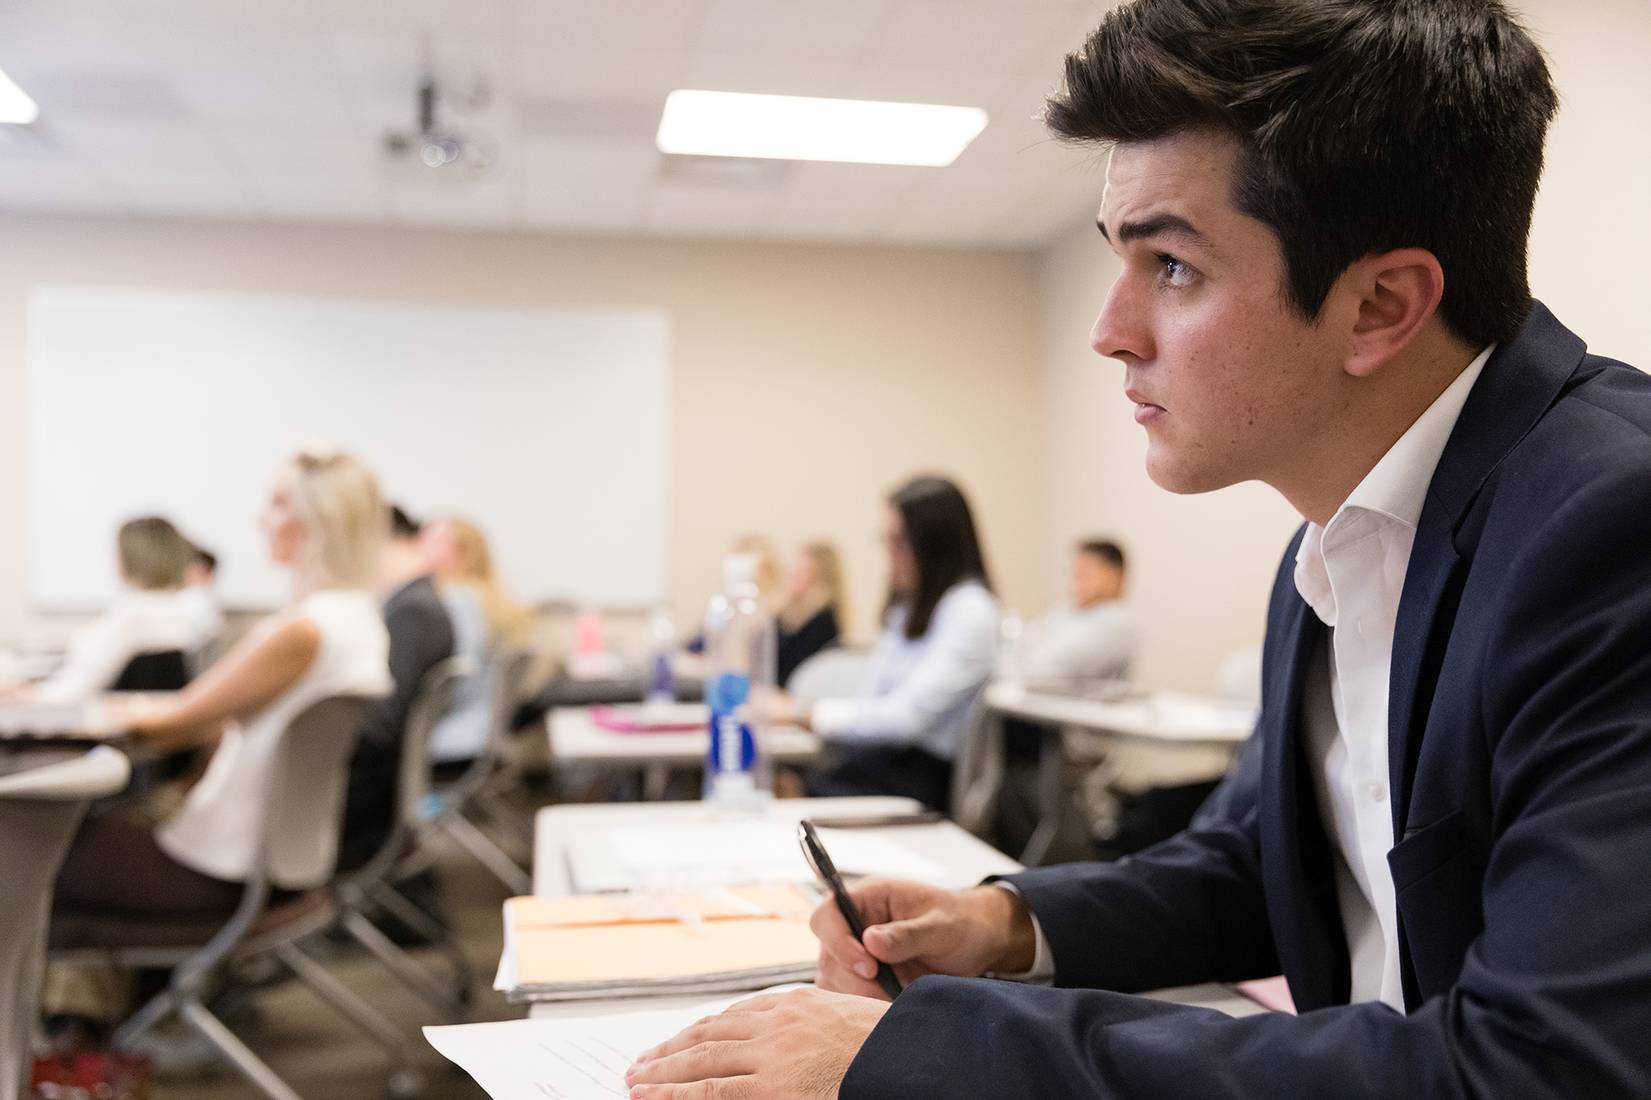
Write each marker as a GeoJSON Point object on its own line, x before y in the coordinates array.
{"type": "Point", "coordinates": [1145, 411]}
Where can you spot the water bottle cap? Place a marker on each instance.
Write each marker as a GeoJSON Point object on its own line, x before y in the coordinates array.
{"type": "Point", "coordinates": [739, 571]}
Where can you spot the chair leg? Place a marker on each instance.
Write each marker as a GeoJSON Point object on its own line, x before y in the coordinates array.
{"type": "Point", "coordinates": [399, 963]}
{"type": "Point", "coordinates": [156, 1009]}
{"type": "Point", "coordinates": [491, 856]}
{"type": "Point", "coordinates": [440, 936]}
{"type": "Point", "coordinates": [239, 1055]}
{"type": "Point", "coordinates": [344, 1002]}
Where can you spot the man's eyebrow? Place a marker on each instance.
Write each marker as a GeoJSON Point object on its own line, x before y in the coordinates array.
{"type": "Point", "coordinates": [1159, 225]}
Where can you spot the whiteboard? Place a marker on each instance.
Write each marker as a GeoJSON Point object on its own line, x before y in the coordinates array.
{"type": "Point", "coordinates": [548, 427]}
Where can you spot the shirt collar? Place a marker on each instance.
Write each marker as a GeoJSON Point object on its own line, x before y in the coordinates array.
{"type": "Point", "coordinates": [1394, 489]}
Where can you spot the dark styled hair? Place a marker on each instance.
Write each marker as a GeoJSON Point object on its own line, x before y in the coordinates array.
{"type": "Point", "coordinates": [206, 559]}
{"type": "Point", "coordinates": [1364, 126]}
{"type": "Point", "coordinates": [402, 525]}
{"type": "Point", "coordinates": [941, 531]}
{"type": "Point", "coordinates": [1105, 549]}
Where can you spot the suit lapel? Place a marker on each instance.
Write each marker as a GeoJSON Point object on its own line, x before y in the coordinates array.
{"type": "Point", "coordinates": [1518, 384]}
{"type": "Point", "coordinates": [1297, 862]}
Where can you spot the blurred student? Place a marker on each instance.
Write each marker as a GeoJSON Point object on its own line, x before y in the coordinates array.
{"type": "Point", "coordinates": [901, 734]}
{"type": "Point", "coordinates": [325, 523]}
{"type": "Point", "coordinates": [810, 619]}
{"type": "Point", "coordinates": [486, 622]}
{"type": "Point", "coordinates": [421, 637]}
{"type": "Point", "coordinates": [199, 598]}
{"type": "Point", "coordinates": [1094, 637]}
{"type": "Point", "coordinates": [147, 619]}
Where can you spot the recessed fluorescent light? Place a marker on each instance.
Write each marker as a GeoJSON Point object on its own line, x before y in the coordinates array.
{"type": "Point", "coordinates": [15, 104]}
{"type": "Point", "coordinates": [787, 127]}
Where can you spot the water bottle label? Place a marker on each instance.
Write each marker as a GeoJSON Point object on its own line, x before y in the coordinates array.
{"type": "Point", "coordinates": [733, 745]}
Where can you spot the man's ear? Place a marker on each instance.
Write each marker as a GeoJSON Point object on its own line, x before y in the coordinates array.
{"type": "Point", "coordinates": [1397, 294]}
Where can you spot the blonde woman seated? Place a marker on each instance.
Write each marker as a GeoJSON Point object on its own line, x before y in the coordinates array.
{"type": "Point", "coordinates": [810, 619]}
{"type": "Point", "coordinates": [148, 618]}
{"type": "Point", "coordinates": [486, 622]}
{"type": "Point", "coordinates": [324, 522]}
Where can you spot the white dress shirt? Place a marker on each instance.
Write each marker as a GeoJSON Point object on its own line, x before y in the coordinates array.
{"type": "Point", "coordinates": [919, 690]}
{"type": "Point", "coordinates": [1351, 572]}
{"type": "Point", "coordinates": [135, 622]}
{"type": "Point", "coordinates": [1081, 643]}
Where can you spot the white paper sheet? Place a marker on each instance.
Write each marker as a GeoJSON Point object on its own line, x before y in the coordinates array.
{"type": "Point", "coordinates": [723, 853]}
{"type": "Point", "coordinates": [583, 1058]}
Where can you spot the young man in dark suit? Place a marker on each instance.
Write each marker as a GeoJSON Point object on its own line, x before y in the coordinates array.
{"type": "Point", "coordinates": [1440, 832]}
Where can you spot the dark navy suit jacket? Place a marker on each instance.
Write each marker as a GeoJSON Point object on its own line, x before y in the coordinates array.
{"type": "Point", "coordinates": [1520, 747]}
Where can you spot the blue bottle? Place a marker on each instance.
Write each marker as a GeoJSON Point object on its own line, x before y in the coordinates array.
{"type": "Point", "coordinates": [739, 647]}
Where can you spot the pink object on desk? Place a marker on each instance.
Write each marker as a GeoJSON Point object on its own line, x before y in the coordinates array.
{"type": "Point", "coordinates": [587, 633]}
{"type": "Point", "coordinates": [638, 719]}
{"type": "Point", "coordinates": [1272, 993]}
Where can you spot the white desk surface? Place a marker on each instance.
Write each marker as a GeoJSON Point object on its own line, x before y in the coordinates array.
{"type": "Point", "coordinates": [1164, 717]}
{"type": "Point", "coordinates": [944, 842]}
{"type": "Point", "coordinates": [575, 738]}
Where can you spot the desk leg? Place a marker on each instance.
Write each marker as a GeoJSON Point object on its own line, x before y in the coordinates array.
{"type": "Point", "coordinates": [655, 778]}
{"type": "Point", "coordinates": [1051, 795]}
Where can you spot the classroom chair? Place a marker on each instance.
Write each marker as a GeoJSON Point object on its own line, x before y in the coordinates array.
{"type": "Point", "coordinates": [40, 809]}
{"type": "Point", "coordinates": [480, 792]}
{"type": "Point", "coordinates": [370, 890]}
{"type": "Point", "coordinates": [298, 847]}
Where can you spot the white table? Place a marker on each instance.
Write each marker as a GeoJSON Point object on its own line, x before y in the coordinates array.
{"type": "Point", "coordinates": [943, 842]}
{"type": "Point", "coordinates": [1200, 733]}
{"type": "Point", "coordinates": [575, 738]}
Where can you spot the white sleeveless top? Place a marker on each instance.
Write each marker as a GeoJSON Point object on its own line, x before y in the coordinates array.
{"type": "Point", "coordinates": [216, 830]}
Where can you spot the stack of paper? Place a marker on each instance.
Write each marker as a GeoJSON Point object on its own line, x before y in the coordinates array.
{"type": "Point", "coordinates": [628, 945]}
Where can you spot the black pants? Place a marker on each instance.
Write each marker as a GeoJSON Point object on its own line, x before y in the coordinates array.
{"type": "Point", "coordinates": [882, 769]}
{"type": "Point", "coordinates": [116, 868]}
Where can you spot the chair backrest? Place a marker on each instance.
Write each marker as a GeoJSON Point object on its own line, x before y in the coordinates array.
{"type": "Point", "coordinates": [305, 799]}
{"type": "Point", "coordinates": [510, 670]}
{"type": "Point", "coordinates": [434, 699]}
{"type": "Point", "coordinates": [977, 770]}
{"type": "Point", "coordinates": [40, 809]}
{"type": "Point", "coordinates": [830, 674]}
{"type": "Point", "coordinates": [162, 670]}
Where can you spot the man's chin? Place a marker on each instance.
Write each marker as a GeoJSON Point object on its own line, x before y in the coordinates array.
{"type": "Point", "coordinates": [1186, 480]}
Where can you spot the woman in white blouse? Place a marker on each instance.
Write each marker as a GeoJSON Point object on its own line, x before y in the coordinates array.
{"type": "Point", "coordinates": [324, 522]}
{"type": "Point", "coordinates": [900, 735]}
{"type": "Point", "coordinates": [148, 617]}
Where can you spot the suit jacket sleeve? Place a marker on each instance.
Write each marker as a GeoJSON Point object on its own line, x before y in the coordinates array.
{"type": "Point", "coordinates": [1554, 999]}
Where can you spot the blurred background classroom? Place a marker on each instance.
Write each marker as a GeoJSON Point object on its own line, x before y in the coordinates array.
{"type": "Point", "coordinates": [433, 357]}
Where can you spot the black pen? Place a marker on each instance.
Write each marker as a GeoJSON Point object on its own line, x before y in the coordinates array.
{"type": "Point", "coordinates": [826, 872]}
{"type": "Point", "coordinates": [878, 821]}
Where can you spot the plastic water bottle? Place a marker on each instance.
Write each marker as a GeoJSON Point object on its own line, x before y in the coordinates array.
{"type": "Point", "coordinates": [739, 648]}
{"type": "Point", "coordinates": [661, 640]}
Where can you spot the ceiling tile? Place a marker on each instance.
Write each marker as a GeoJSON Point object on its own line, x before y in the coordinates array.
{"type": "Point", "coordinates": [694, 211]}
{"type": "Point", "coordinates": [771, 74]}
{"type": "Point", "coordinates": [606, 24]}
{"type": "Point", "coordinates": [792, 30]}
{"type": "Point", "coordinates": [581, 185]}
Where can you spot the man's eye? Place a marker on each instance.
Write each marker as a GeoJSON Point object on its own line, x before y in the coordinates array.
{"type": "Point", "coordinates": [1176, 273]}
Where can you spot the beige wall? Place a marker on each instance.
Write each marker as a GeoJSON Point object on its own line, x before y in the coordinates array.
{"type": "Point", "coordinates": [1203, 564]}
{"type": "Point", "coordinates": [843, 369]}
